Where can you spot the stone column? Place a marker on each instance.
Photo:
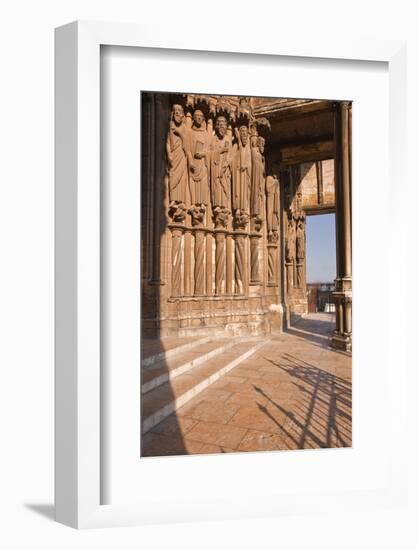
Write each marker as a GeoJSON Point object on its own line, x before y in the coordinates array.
{"type": "Point", "coordinates": [272, 263]}
{"type": "Point", "coordinates": [187, 263]}
{"type": "Point", "coordinates": [342, 337]}
{"type": "Point", "coordinates": [220, 237]}
{"type": "Point", "coordinates": [209, 264]}
{"type": "Point", "coordinates": [229, 264]}
{"type": "Point", "coordinates": [254, 258]}
{"type": "Point", "coordinates": [161, 110]}
{"type": "Point", "coordinates": [199, 279]}
{"type": "Point", "coordinates": [240, 262]}
{"type": "Point", "coordinates": [176, 260]}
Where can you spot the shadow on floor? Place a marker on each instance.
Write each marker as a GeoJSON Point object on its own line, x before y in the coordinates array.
{"type": "Point", "coordinates": [317, 331]}
{"type": "Point", "coordinates": [45, 510]}
{"type": "Point", "coordinates": [323, 417]}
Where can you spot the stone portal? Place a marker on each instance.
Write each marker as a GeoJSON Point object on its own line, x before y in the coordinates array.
{"type": "Point", "coordinates": [227, 183]}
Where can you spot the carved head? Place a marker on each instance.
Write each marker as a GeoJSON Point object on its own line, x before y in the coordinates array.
{"type": "Point", "coordinates": [177, 114]}
{"type": "Point", "coordinates": [221, 126]}
{"type": "Point", "coordinates": [244, 134]}
{"type": "Point", "coordinates": [261, 144]}
{"type": "Point", "coordinates": [198, 118]}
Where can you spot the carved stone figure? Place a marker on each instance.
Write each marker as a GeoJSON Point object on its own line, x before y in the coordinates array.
{"type": "Point", "coordinates": [221, 171]}
{"type": "Point", "coordinates": [290, 253]}
{"type": "Point", "coordinates": [258, 182]}
{"type": "Point", "coordinates": [198, 161]}
{"type": "Point", "coordinates": [272, 222]}
{"type": "Point", "coordinates": [242, 171]}
{"type": "Point", "coordinates": [176, 156]}
{"type": "Point", "coordinates": [272, 207]}
{"type": "Point", "coordinates": [300, 252]}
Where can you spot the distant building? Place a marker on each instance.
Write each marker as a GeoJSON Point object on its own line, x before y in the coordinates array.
{"type": "Point", "coordinates": [320, 297]}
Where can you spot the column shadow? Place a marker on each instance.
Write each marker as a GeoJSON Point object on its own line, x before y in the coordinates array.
{"type": "Point", "coordinates": [323, 417]}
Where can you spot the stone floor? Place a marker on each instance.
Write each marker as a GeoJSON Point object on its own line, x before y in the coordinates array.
{"type": "Point", "coordinates": [294, 393]}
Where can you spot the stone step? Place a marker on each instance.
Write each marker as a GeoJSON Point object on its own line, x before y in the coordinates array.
{"type": "Point", "coordinates": [155, 350]}
{"type": "Point", "coordinates": [171, 367]}
{"type": "Point", "coordinates": [165, 399]}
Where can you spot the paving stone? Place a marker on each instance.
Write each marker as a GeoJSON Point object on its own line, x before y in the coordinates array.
{"type": "Point", "coordinates": [217, 434]}
{"type": "Point", "coordinates": [291, 394]}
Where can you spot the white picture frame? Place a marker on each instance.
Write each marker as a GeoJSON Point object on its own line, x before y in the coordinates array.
{"type": "Point", "coordinates": [78, 449]}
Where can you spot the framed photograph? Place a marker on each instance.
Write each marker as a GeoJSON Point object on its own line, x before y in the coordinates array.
{"type": "Point", "coordinates": [222, 349]}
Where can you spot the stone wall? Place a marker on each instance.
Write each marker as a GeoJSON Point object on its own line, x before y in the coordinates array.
{"type": "Point", "coordinates": [317, 185]}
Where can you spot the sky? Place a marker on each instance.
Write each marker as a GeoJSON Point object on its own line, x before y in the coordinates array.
{"type": "Point", "coordinates": [321, 248]}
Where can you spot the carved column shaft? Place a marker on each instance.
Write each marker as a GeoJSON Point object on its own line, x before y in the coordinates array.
{"type": "Point", "coordinates": [209, 264]}
{"type": "Point", "coordinates": [176, 261]}
{"type": "Point", "coordinates": [240, 263]}
{"type": "Point", "coordinates": [272, 263]}
{"type": "Point", "coordinates": [229, 264]}
{"type": "Point", "coordinates": [220, 261]}
{"type": "Point", "coordinates": [199, 279]}
{"type": "Point", "coordinates": [254, 259]}
{"type": "Point", "coordinates": [187, 264]}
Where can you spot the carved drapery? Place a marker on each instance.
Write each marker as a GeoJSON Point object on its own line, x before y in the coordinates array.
{"type": "Point", "coordinates": [290, 254]}
{"type": "Point", "coordinates": [272, 220]}
{"type": "Point", "coordinates": [300, 252]}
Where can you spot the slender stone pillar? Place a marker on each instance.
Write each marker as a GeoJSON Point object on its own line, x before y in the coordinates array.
{"type": "Point", "coordinates": [240, 263]}
{"type": "Point", "coordinates": [229, 264]}
{"type": "Point", "coordinates": [161, 108]}
{"type": "Point", "coordinates": [272, 263]}
{"type": "Point", "coordinates": [199, 279]}
{"type": "Point", "coordinates": [342, 337]}
{"type": "Point", "coordinates": [209, 264]}
{"type": "Point", "coordinates": [176, 261]}
{"type": "Point", "coordinates": [254, 258]}
{"type": "Point", "coordinates": [220, 237]}
{"type": "Point", "coordinates": [290, 276]}
{"type": "Point", "coordinates": [187, 263]}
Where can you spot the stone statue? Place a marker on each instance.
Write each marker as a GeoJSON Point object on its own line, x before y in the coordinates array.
{"type": "Point", "coordinates": [177, 163]}
{"type": "Point", "coordinates": [198, 161]}
{"type": "Point", "coordinates": [242, 171]}
{"type": "Point", "coordinates": [258, 182]}
{"type": "Point", "coordinates": [300, 252]}
{"type": "Point", "coordinates": [272, 207]}
{"type": "Point", "coordinates": [272, 223]}
{"type": "Point", "coordinates": [290, 253]}
{"type": "Point", "coordinates": [221, 172]}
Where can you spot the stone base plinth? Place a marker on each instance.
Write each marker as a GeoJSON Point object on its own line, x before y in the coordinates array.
{"type": "Point", "coordinates": [212, 316]}
{"type": "Point", "coordinates": [342, 342]}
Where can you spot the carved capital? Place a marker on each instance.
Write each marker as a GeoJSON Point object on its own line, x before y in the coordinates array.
{"type": "Point", "coordinates": [241, 219]}
{"type": "Point", "coordinates": [177, 211]}
{"type": "Point", "coordinates": [273, 237]}
{"type": "Point", "coordinates": [197, 215]}
{"type": "Point", "coordinates": [257, 223]}
{"type": "Point", "coordinates": [221, 216]}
